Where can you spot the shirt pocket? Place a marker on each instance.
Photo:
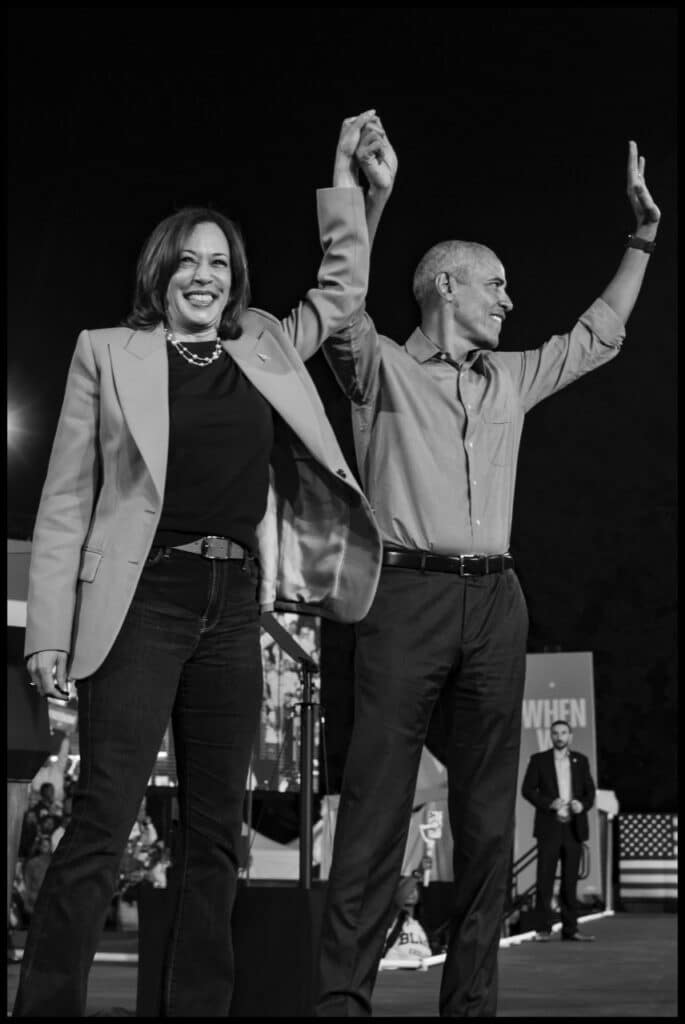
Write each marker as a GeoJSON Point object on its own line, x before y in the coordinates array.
{"type": "Point", "coordinates": [498, 436]}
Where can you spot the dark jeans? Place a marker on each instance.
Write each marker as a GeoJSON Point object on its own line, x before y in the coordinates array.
{"type": "Point", "coordinates": [188, 650]}
{"type": "Point", "coordinates": [456, 646]}
{"type": "Point", "coordinates": [562, 846]}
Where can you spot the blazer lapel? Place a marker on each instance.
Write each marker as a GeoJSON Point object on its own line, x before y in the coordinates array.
{"type": "Point", "coordinates": [267, 366]}
{"type": "Point", "coordinates": [141, 373]}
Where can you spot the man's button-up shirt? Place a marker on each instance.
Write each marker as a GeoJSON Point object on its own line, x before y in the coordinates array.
{"type": "Point", "coordinates": [437, 446]}
{"type": "Point", "coordinates": [562, 766]}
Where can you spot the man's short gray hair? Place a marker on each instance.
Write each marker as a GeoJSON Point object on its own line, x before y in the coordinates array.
{"type": "Point", "coordinates": [459, 258]}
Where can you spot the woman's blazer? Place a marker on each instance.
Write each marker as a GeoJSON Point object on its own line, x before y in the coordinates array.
{"type": "Point", "coordinates": [318, 544]}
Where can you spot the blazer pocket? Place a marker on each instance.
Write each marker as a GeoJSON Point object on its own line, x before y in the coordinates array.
{"type": "Point", "coordinates": [90, 563]}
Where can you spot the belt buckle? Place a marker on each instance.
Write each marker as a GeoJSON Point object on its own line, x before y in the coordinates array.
{"type": "Point", "coordinates": [215, 547]}
{"type": "Point", "coordinates": [462, 571]}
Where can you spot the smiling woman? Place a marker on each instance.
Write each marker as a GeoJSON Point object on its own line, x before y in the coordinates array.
{"type": "Point", "coordinates": [158, 542]}
{"type": "Point", "coordinates": [200, 287]}
{"type": "Point", "coordinates": [192, 274]}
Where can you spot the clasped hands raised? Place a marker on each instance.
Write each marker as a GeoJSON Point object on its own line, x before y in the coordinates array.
{"type": "Point", "coordinates": [364, 144]}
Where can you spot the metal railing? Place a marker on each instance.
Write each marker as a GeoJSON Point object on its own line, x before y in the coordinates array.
{"type": "Point", "coordinates": [518, 900]}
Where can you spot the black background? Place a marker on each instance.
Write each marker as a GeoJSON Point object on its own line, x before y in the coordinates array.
{"type": "Point", "coordinates": [511, 126]}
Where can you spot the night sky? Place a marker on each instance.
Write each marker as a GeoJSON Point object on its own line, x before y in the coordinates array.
{"type": "Point", "coordinates": [511, 127]}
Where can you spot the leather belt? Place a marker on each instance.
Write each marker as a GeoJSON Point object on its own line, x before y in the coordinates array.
{"type": "Point", "coordinates": [220, 548]}
{"type": "Point", "coordinates": [462, 565]}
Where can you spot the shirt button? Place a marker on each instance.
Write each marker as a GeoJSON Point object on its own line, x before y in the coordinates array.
{"type": "Point", "coordinates": [470, 444]}
{"type": "Point", "coordinates": [474, 482]}
{"type": "Point", "coordinates": [477, 522]}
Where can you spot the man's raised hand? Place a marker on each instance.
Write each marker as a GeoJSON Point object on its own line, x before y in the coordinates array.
{"type": "Point", "coordinates": [376, 157]}
{"type": "Point", "coordinates": [647, 213]}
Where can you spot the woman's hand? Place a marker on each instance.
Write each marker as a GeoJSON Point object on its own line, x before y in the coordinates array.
{"type": "Point", "coordinates": [48, 672]}
{"type": "Point", "coordinates": [345, 170]}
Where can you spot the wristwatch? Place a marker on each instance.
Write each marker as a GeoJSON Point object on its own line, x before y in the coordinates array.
{"type": "Point", "coordinates": [640, 243]}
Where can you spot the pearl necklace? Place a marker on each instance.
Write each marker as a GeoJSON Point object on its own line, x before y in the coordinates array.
{"type": "Point", "coordinates": [191, 357]}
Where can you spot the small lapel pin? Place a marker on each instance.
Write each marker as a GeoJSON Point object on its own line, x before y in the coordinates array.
{"type": "Point", "coordinates": [262, 357]}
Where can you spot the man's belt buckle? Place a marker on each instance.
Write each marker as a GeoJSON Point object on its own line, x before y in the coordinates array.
{"type": "Point", "coordinates": [462, 570]}
{"type": "Point", "coordinates": [215, 547]}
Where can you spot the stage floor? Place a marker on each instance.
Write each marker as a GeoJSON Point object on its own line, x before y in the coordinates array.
{"type": "Point", "coordinates": [630, 971]}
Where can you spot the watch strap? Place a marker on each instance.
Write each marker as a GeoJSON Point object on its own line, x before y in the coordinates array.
{"type": "Point", "coordinates": [640, 243]}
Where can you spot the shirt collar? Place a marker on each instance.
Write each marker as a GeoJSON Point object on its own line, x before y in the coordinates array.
{"type": "Point", "coordinates": [561, 755]}
{"type": "Point", "coordinates": [422, 349]}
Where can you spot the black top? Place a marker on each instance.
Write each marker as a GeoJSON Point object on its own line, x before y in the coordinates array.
{"type": "Point", "coordinates": [220, 440]}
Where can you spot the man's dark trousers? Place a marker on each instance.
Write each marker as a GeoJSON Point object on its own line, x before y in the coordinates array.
{"type": "Point", "coordinates": [564, 846]}
{"type": "Point", "coordinates": [456, 645]}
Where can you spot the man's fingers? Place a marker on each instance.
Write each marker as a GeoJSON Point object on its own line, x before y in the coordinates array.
{"type": "Point", "coordinates": [370, 136]}
{"type": "Point", "coordinates": [356, 117]}
{"type": "Point", "coordinates": [357, 122]}
{"type": "Point", "coordinates": [351, 130]}
{"type": "Point", "coordinates": [373, 125]}
{"type": "Point", "coordinates": [362, 119]}
{"type": "Point", "coordinates": [368, 148]}
{"type": "Point", "coordinates": [632, 157]}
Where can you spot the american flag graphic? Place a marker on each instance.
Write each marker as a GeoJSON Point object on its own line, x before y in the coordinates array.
{"type": "Point", "coordinates": [648, 851]}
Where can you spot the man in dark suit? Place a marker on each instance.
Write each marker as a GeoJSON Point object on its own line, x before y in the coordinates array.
{"type": "Point", "coordinates": [559, 785]}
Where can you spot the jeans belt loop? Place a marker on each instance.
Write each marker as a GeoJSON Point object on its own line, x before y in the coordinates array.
{"type": "Point", "coordinates": [423, 561]}
{"type": "Point", "coordinates": [461, 565]}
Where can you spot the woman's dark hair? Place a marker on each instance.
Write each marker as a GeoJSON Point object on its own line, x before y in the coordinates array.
{"type": "Point", "coordinates": [159, 259]}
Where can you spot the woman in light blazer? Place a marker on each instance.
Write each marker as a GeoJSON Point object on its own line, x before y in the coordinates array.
{"type": "Point", "coordinates": [194, 480]}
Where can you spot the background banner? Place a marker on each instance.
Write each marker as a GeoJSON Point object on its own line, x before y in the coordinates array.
{"type": "Point", "coordinates": [558, 686]}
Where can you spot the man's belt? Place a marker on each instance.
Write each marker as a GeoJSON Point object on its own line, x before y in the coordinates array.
{"type": "Point", "coordinates": [220, 548]}
{"type": "Point", "coordinates": [462, 565]}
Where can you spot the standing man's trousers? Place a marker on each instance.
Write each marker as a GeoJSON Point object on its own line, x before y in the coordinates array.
{"type": "Point", "coordinates": [565, 847]}
{"type": "Point", "coordinates": [432, 642]}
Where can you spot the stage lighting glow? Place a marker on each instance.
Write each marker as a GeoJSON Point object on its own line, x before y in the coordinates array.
{"type": "Point", "coordinates": [13, 428]}
{"type": "Point", "coordinates": [16, 427]}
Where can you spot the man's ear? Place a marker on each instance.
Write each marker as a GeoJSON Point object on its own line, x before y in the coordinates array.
{"type": "Point", "coordinates": [444, 286]}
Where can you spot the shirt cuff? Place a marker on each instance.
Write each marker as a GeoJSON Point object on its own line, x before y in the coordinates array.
{"type": "Point", "coordinates": [601, 319]}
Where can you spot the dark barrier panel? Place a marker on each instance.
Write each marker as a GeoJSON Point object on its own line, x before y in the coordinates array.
{"type": "Point", "coordinates": [276, 927]}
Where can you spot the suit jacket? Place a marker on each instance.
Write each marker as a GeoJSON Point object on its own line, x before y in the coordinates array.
{"type": "Point", "coordinates": [318, 545]}
{"type": "Point", "coordinates": [541, 789]}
